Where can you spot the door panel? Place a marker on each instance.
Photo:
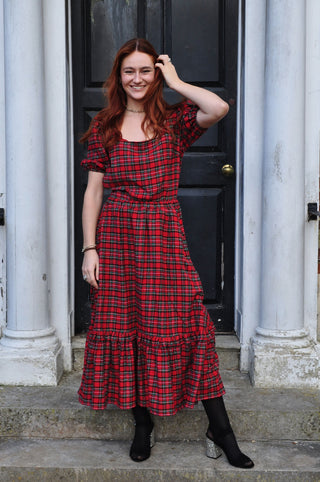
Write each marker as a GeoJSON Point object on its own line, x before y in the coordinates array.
{"type": "Point", "coordinates": [195, 40]}
{"type": "Point", "coordinates": [197, 204]}
{"type": "Point", "coordinates": [110, 24]}
{"type": "Point", "coordinates": [201, 38]}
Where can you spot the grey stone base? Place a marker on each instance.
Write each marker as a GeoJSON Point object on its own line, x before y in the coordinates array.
{"type": "Point", "coordinates": [31, 366]}
{"type": "Point", "coordinates": [274, 366]}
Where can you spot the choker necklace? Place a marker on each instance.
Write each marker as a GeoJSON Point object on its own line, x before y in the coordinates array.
{"type": "Point", "coordinates": [135, 111]}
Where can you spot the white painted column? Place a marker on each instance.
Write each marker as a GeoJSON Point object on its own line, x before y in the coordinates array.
{"type": "Point", "coordinates": [59, 161]}
{"type": "Point", "coordinates": [30, 349]}
{"type": "Point", "coordinates": [282, 351]}
{"type": "Point", "coordinates": [283, 170]}
{"type": "Point", "coordinates": [251, 61]}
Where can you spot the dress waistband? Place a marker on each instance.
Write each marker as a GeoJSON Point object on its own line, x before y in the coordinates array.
{"type": "Point", "coordinates": [124, 196]}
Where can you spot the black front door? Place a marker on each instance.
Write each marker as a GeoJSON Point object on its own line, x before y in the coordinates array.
{"type": "Point", "coordinates": [201, 38]}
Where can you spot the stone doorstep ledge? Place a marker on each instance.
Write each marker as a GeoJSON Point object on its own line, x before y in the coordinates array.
{"type": "Point", "coordinates": [256, 414]}
{"type": "Point", "coordinates": [86, 460]}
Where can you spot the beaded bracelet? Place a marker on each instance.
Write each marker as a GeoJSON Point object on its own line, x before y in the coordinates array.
{"type": "Point", "coordinates": [87, 248]}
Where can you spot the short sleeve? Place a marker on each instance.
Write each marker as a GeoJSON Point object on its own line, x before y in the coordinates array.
{"type": "Point", "coordinates": [189, 128]}
{"type": "Point", "coordinates": [97, 157]}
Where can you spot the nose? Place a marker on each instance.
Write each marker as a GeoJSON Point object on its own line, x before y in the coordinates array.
{"type": "Point", "coordinates": [137, 77]}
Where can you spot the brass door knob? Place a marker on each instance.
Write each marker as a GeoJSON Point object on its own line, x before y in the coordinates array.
{"type": "Point", "coordinates": [227, 170]}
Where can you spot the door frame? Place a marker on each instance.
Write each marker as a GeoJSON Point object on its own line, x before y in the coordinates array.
{"type": "Point", "coordinates": [221, 308]}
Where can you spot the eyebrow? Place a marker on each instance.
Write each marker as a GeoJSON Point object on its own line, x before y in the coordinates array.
{"type": "Point", "coordinates": [145, 67]}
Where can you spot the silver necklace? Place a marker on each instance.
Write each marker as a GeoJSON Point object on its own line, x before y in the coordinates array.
{"type": "Point", "coordinates": [135, 111]}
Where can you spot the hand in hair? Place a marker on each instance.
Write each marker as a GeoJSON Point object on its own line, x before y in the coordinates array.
{"type": "Point", "coordinates": [211, 107]}
{"type": "Point", "coordinates": [168, 71]}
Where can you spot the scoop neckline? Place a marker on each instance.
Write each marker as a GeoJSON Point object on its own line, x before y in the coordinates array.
{"type": "Point", "coordinates": [137, 142]}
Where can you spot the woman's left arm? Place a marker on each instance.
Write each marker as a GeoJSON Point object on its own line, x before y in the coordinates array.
{"type": "Point", "coordinates": [211, 107]}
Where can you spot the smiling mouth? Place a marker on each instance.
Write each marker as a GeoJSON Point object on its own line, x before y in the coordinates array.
{"type": "Point", "coordinates": [137, 87]}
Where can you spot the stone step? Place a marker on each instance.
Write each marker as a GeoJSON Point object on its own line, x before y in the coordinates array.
{"type": "Point", "coordinates": [39, 460]}
{"type": "Point", "coordinates": [228, 349]}
{"type": "Point", "coordinates": [255, 414]}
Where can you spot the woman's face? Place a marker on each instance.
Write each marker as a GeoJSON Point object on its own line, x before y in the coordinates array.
{"type": "Point", "coordinates": [137, 74]}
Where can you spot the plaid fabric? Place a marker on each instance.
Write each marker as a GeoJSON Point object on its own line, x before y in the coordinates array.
{"type": "Point", "coordinates": [151, 341]}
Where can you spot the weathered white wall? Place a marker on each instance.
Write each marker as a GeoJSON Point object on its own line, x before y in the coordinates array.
{"type": "Point", "coordinates": [3, 281]}
{"type": "Point", "coordinates": [312, 160]}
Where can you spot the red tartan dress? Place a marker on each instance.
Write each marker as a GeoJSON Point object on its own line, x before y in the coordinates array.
{"type": "Point", "coordinates": [151, 341]}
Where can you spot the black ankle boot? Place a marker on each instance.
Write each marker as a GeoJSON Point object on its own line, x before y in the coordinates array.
{"type": "Point", "coordinates": [231, 449]}
{"type": "Point", "coordinates": [220, 434]}
{"type": "Point", "coordinates": [143, 438]}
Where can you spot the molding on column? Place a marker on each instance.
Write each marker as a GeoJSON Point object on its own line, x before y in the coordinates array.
{"type": "Point", "coordinates": [294, 338]}
{"type": "Point", "coordinates": [29, 338]}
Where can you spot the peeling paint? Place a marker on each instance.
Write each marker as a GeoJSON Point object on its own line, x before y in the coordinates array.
{"type": "Point", "coordinates": [276, 161]}
{"type": "Point", "coordinates": [93, 4]}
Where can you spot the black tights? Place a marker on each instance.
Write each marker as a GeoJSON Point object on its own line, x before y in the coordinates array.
{"type": "Point", "coordinates": [140, 448]}
{"type": "Point", "coordinates": [219, 424]}
{"type": "Point", "coordinates": [141, 415]}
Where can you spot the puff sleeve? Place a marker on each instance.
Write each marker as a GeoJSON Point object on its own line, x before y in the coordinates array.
{"type": "Point", "coordinates": [97, 157]}
{"type": "Point", "coordinates": [189, 129]}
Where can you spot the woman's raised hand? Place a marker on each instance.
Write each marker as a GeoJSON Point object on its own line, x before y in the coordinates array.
{"type": "Point", "coordinates": [90, 268]}
{"type": "Point", "coordinates": [211, 107]}
{"type": "Point", "coordinates": [168, 70]}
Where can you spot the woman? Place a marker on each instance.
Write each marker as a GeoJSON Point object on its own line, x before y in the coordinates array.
{"type": "Point", "coordinates": [150, 346]}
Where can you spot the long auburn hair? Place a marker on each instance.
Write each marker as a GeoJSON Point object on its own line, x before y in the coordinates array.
{"type": "Point", "coordinates": [155, 107]}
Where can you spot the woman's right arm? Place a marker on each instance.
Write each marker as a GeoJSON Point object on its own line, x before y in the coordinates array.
{"type": "Point", "coordinates": [91, 208]}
